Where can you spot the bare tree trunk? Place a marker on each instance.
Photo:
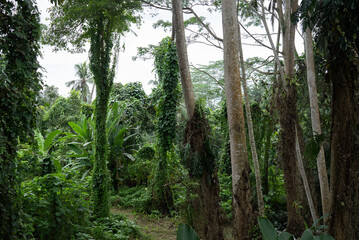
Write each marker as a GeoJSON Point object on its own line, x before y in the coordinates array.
{"type": "Point", "coordinates": [304, 179]}
{"type": "Point", "coordinates": [344, 174]}
{"type": "Point", "coordinates": [314, 113]}
{"type": "Point", "coordinates": [197, 135]}
{"type": "Point", "coordinates": [92, 91]}
{"type": "Point", "coordinates": [288, 114]}
{"type": "Point", "coordinates": [242, 207]}
{"type": "Point", "coordinates": [181, 45]}
{"type": "Point", "coordinates": [257, 170]}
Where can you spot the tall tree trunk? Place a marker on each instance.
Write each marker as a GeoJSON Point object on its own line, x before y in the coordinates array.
{"type": "Point", "coordinates": [242, 207]}
{"type": "Point", "coordinates": [198, 137]}
{"type": "Point", "coordinates": [100, 49]}
{"type": "Point", "coordinates": [344, 174]}
{"type": "Point", "coordinates": [314, 113]}
{"type": "Point", "coordinates": [252, 141]}
{"type": "Point", "coordinates": [181, 45]}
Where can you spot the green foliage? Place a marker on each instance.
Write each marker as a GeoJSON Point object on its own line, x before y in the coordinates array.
{"type": "Point", "coordinates": [166, 65]}
{"type": "Point", "coordinates": [168, 74]}
{"type": "Point", "coordinates": [115, 227]}
{"type": "Point", "coordinates": [186, 232]}
{"type": "Point", "coordinates": [208, 83]}
{"type": "Point", "coordinates": [48, 96]}
{"type": "Point", "coordinates": [270, 233]}
{"type": "Point", "coordinates": [138, 198]}
{"type": "Point", "coordinates": [56, 206]}
{"type": "Point", "coordinates": [19, 87]}
{"type": "Point", "coordinates": [64, 110]}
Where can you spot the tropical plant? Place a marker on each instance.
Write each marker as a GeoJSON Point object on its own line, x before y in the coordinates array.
{"type": "Point", "coordinates": [315, 232]}
{"type": "Point", "coordinates": [82, 83]}
{"type": "Point", "coordinates": [186, 232]}
{"type": "Point", "coordinates": [82, 146]}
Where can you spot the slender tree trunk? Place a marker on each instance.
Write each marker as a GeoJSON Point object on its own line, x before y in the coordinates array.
{"type": "Point", "coordinates": [266, 157]}
{"type": "Point", "coordinates": [197, 137]}
{"type": "Point", "coordinates": [92, 91]}
{"type": "Point", "coordinates": [181, 45]}
{"type": "Point", "coordinates": [344, 174]}
{"type": "Point", "coordinates": [305, 180]}
{"type": "Point", "coordinates": [257, 170]}
{"type": "Point", "coordinates": [242, 207]}
{"type": "Point", "coordinates": [314, 113]}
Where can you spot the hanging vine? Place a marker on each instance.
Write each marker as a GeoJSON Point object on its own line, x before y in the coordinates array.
{"type": "Point", "coordinates": [168, 75]}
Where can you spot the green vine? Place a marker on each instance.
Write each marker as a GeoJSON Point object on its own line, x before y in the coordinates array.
{"type": "Point", "coordinates": [100, 59]}
{"type": "Point", "coordinates": [168, 75]}
{"type": "Point", "coordinates": [19, 87]}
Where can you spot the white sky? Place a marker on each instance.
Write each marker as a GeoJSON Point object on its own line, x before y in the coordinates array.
{"type": "Point", "coordinates": [59, 66]}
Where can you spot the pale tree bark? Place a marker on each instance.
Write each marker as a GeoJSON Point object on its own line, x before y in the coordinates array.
{"type": "Point", "coordinates": [197, 134]}
{"type": "Point", "coordinates": [304, 179]}
{"type": "Point", "coordinates": [252, 141]}
{"type": "Point", "coordinates": [242, 207]}
{"type": "Point", "coordinates": [181, 45]}
{"type": "Point", "coordinates": [288, 114]}
{"type": "Point", "coordinates": [314, 113]}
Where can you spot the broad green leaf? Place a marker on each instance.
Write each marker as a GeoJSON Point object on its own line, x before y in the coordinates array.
{"type": "Point", "coordinates": [307, 235]}
{"type": "Point", "coordinates": [267, 229]}
{"type": "Point", "coordinates": [186, 232]}
{"type": "Point", "coordinates": [50, 140]}
{"type": "Point", "coordinates": [119, 139]}
{"type": "Point", "coordinates": [323, 237]}
{"type": "Point", "coordinates": [40, 141]}
{"type": "Point", "coordinates": [77, 129]}
{"type": "Point", "coordinates": [75, 148]}
{"type": "Point", "coordinates": [57, 165]}
{"type": "Point", "coordinates": [111, 123]}
{"type": "Point", "coordinates": [285, 236]}
{"type": "Point", "coordinates": [86, 129]}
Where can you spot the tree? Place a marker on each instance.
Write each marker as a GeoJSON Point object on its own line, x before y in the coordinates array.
{"type": "Point", "coordinates": [48, 96]}
{"type": "Point", "coordinates": [101, 22]}
{"type": "Point", "coordinates": [19, 89]}
{"type": "Point", "coordinates": [81, 84]}
{"type": "Point", "coordinates": [335, 24]}
{"type": "Point", "coordinates": [315, 117]}
{"type": "Point", "coordinates": [242, 207]}
{"type": "Point", "coordinates": [197, 138]}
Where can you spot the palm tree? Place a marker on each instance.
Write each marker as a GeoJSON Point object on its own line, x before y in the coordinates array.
{"type": "Point", "coordinates": [82, 84]}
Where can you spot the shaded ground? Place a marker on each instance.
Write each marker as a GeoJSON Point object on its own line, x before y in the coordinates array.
{"type": "Point", "coordinates": [156, 227]}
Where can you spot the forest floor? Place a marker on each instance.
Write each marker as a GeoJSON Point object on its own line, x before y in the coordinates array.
{"type": "Point", "coordinates": [155, 226]}
{"type": "Point", "coordinates": [158, 228]}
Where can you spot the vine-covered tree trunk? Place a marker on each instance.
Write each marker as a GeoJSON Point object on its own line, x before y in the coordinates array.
{"type": "Point", "coordinates": [344, 147]}
{"type": "Point", "coordinates": [209, 184]}
{"type": "Point", "coordinates": [19, 88]}
{"type": "Point", "coordinates": [100, 59]}
{"type": "Point", "coordinates": [168, 75]}
{"type": "Point", "coordinates": [242, 207]}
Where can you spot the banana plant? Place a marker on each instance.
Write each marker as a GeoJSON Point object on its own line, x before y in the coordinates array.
{"type": "Point", "coordinates": [44, 147]}
{"type": "Point", "coordinates": [82, 147]}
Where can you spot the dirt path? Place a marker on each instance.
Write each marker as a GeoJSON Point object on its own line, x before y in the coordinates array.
{"type": "Point", "coordinates": [156, 227]}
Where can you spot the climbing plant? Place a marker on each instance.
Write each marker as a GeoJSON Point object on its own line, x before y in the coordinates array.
{"type": "Point", "coordinates": [19, 86]}
{"type": "Point", "coordinates": [101, 22]}
{"type": "Point", "coordinates": [168, 75]}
